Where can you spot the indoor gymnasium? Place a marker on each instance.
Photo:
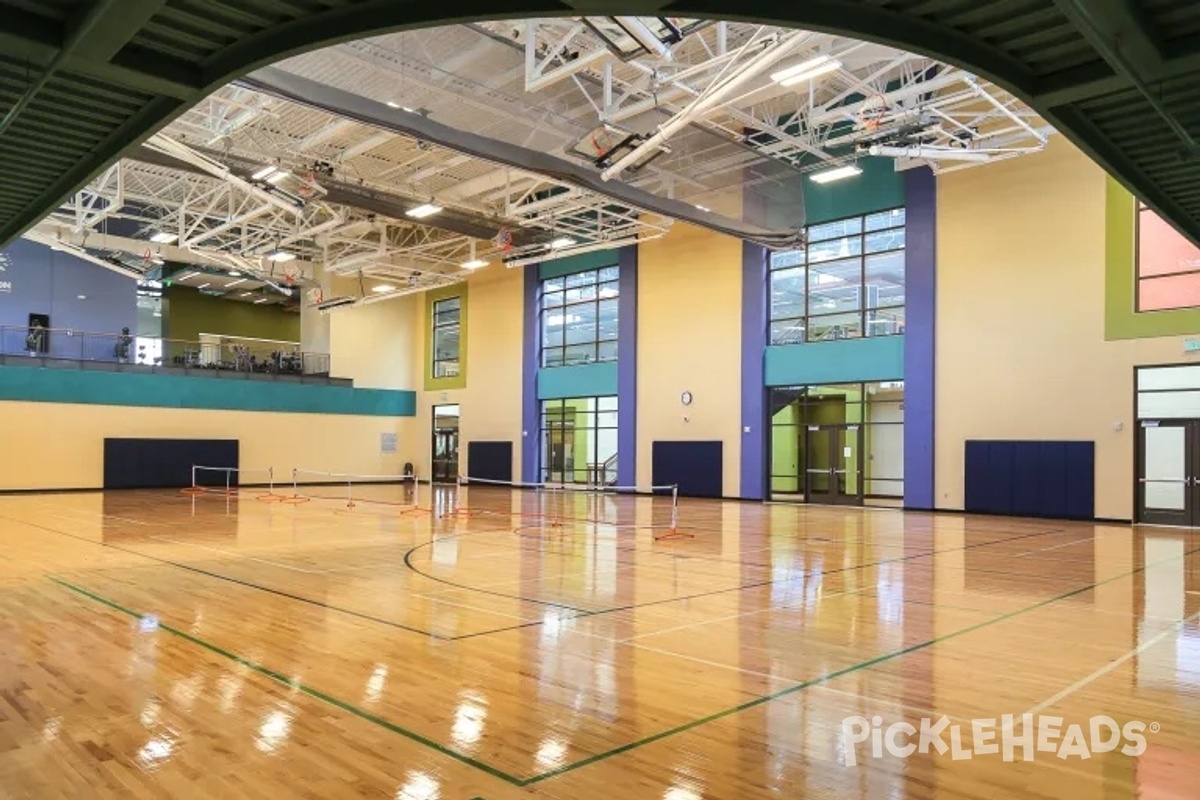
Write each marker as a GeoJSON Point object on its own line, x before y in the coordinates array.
{"type": "Point", "coordinates": [769, 401]}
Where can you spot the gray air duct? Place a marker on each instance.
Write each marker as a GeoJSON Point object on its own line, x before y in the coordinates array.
{"type": "Point", "coordinates": [313, 94]}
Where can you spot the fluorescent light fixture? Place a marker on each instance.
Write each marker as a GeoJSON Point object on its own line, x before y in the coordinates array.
{"type": "Point", "coordinates": [423, 211]}
{"type": "Point", "coordinates": [264, 172]}
{"type": "Point", "coordinates": [474, 263]}
{"type": "Point", "coordinates": [204, 286]}
{"type": "Point", "coordinates": [562, 242]}
{"type": "Point", "coordinates": [246, 294]}
{"type": "Point", "coordinates": [392, 104]}
{"type": "Point", "coordinates": [188, 275]}
{"type": "Point", "coordinates": [156, 261]}
{"type": "Point", "coordinates": [280, 256]}
{"type": "Point", "coordinates": [162, 237]}
{"type": "Point", "coordinates": [262, 300]}
{"type": "Point", "coordinates": [702, 208]}
{"type": "Point", "coordinates": [235, 274]}
{"type": "Point", "coordinates": [805, 70]}
{"type": "Point", "coordinates": [235, 283]}
{"type": "Point", "coordinates": [278, 176]}
{"type": "Point", "coordinates": [835, 174]}
{"type": "Point", "coordinates": [383, 288]}
{"type": "Point", "coordinates": [158, 313]}
{"type": "Point", "coordinates": [81, 296]}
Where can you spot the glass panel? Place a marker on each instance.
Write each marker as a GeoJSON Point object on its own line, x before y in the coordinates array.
{"type": "Point", "coordinates": [885, 279]}
{"type": "Point", "coordinates": [787, 331]}
{"type": "Point", "coordinates": [787, 293]}
{"type": "Point", "coordinates": [787, 454]}
{"type": "Point", "coordinates": [445, 343]}
{"type": "Point", "coordinates": [1162, 250]}
{"type": "Point", "coordinates": [885, 240]}
{"type": "Point", "coordinates": [606, 351]}
{"type": "Point", "coordinates": [820, 462]}
{"type": "Point", "coordinates": [832, 230]}
{"type": "Point", "coordinates": [606, 419]}
{"type": "Point", "coordinates": [612, 289]}
{"type": "Point", "coordinates": [608, 274]}
{"type": "Point", "coordinates": [1164, 468]}
{"type": "Point", "coordinates": [847, 463]}
{"type": "Point", "coordinates": [607, 403]}
{"type": "Point", "coordinates": [1168, 405]}
{"type": "Point", "coordinates": [445, 312]}
{"type": "Point", "coordinates": [1175, 291]}
{"type": "Point", "coordinates": [578, 293]}
{"type": "Point", "coordinates": [885, 321]}
{"type": "Point", "coordinates": [552, 285]}
{"type": "Point", "coordinates": [792, 258]}
{"type": "Point", "coordinates": [1149, 378]}
{"type": "Point", "coordinates": [553, 357]}
{"type": "Point", "coordinates": [834, 249]}
{"type": "Point", "coordinates": [835, 286]}
{"type": "Point", "coordinates": [885, 219]}
{"type": "Point", "coordinates": [552, 329]}
{"type": "Point", "coordinates": [581, 279]}
{"type": "Point", "coordinates": [880, 487]}
{"type": "Point", "coordinates": [552, 299]}
{"type": "Point", "coordinates": [579, 354]}
{"type": "Point", "coordinates": [580, 323]}
{"type": "Point", "coordinates": [606, 317]}
{"type": "Point", "coordinates": [835, 326]}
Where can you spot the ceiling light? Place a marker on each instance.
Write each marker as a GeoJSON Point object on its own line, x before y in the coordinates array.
{"type": "Point", "coordinates": [702, 208]}
{"type": "Point", "coordinates": [188, 275]}
{"type": "Point", "coordinates": [558, 244]}
{"type": "Point", "coordinates": [235, 283]}
{"type": "Point", "coordinates": [382, 288]}
{"type": "Point", "coordinates": [156, 261]}
{"type": "Point", "coordinates": [235, 274]}
{"type": "Point", "coordinates": [474, 263]}
{"type": "Point", "coordinates": [246, 294]}
{"type": "Point", "coordinates": [81, 296]}
{"type": "Point", "coordinates": [262, 300]}
{"type": "Point", "coordinates": [162, 237]}
{"type": "Point", "coordinates": [280, 256]}
{"type": "Point", "coordinates": [805, 70]}
{"type": "Point", "coordinates": [836, 174]}
{"type": "Point", "coordinates": [204, 286]}
{"type": "Point", "coordinates": [264, 172]}
{"type": "Point", "coordinates": [392, 104]}
{"type": "Point", "coordinates": [158, 313]}
{"type": "Point", "coordinates": [423, 211]}
{"type": "Point", "coordinates": [278, 176]}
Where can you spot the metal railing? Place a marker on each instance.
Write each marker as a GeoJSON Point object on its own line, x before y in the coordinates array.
{"type": "Point", "coordinates": [229, 353]}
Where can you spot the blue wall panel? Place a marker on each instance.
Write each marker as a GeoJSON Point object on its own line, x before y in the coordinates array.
{"type": "Point", "coordinates": [582, 380]}
{"type": "Point", "coordinates": [180, 391]}
{"type": "Point", "coordinates": [1052, 479]}
{"type": "Point", "coordinates": [839, 361]}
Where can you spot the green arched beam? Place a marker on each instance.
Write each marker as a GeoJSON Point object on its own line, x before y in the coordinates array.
{"type": "Point", "coordinates": [83, 81]}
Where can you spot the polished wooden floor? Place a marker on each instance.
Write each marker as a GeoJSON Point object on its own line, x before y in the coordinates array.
{"type": "Point", "coordinates": [556, 646]}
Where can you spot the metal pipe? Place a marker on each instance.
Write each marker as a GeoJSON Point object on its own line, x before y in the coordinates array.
{"type": "Point", "coordinates": [97, 12]}
{"type": "Point", "coordinates": [1003, 109]}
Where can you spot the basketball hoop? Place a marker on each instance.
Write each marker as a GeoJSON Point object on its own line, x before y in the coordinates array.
{"type": "Point", "coordinates": [872, 112]}
{"type": "Point", "coordinates": [290, 273]}
{"type": "Point", "coordinates": [503, 240]}
{"type": "Point", "coordinates": [315, 296]}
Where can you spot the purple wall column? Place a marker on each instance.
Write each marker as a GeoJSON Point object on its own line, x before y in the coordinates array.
{"type": "Point", "coordinates": [920, 277]}
{"type": "Point", "coordinates": [529, 370]}
{"type": "Point", "coordinates": [754, 344]}
{"type": "Point", "coordinates": [627, 368]}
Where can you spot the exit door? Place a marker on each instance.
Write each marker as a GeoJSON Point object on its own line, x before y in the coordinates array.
{"type": "Point", "coordinates": [1168, 477]}
{"type": "Point", "coordinates": [445, 443]}
{"type": "Point", "coordinates": [833, 468]}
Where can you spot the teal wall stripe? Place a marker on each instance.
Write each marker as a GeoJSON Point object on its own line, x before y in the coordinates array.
{"type": "Point", "coordinates": [580, 263]}
{"type": "Point", "coordinates": [42, 385]}
{"type": "Point", "coordinates": [838, 361]}
{"type": "Point", "coordinates": [583, 380]}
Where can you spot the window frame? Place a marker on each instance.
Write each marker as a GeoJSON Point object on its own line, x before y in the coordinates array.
{"type": "Point", "coordinates": [554, 300]}
{"type": "Point", "coordinates": [552, 415]}
{"type": "Point", "coordinates": [434, 328]}
{"type": "Point", "coordinates": [807, 321]}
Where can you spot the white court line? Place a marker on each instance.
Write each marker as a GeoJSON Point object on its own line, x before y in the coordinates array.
{"type": "Point", "coordinates": [1055, 547]}
{"type": "Point", "coordinates": [1110, 666]}
{"type": "Point", "coordinates": [235, 553]}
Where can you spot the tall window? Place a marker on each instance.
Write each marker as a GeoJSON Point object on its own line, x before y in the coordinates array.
{"type": "Point", "coordinates": [1168, 265]}
{"type": "Point", "coordinates": [579, 318]}
{"type": "Point", "coordinates": [847, 282]}
{"type": "Point", "coordinates": [579, 440]}
{"type": "Point", "coordinates": [446, 319]}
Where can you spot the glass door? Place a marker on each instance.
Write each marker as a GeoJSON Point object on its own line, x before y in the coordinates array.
{"type": "Point", "coordinates": [445, 443]}
{"type": "Point", "coordinates": [1168, 480]}
{"type": "Point", "coordinates": [833, 464]}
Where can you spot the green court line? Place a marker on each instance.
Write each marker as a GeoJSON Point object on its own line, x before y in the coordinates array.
{"type": "Point", "coordinates": [687, 726]}
{"type": "Point", "coordinates": [308, 690]}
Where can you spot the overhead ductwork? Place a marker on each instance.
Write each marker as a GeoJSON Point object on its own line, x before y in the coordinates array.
{"type": "Point", "coordinates": [313, 94]}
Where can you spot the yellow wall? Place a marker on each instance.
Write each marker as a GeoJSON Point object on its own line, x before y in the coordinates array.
{"type": "Point", "coordinates": [372, 344]}
{"type": "Point", "coordinates": [1020, 323]}
{"type": "Point", "coordinates": [490, 405]}
{"type": "Point", "coordinates": [689, 339]}
{"type": "Point", "coordinates": [73, 457]}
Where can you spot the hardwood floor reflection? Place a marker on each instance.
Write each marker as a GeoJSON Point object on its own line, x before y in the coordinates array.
{"type": "Point", "coordinates": [555, 646]}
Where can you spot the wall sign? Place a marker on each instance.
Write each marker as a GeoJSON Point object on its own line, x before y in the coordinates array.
{"type": "Point", "coordinates": [387, 442]}
{"type": "Point", "coordinates": [1191, 345]}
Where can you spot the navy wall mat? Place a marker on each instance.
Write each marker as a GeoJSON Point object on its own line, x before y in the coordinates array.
{"type": "Point", "coordinates": [1031, 478]}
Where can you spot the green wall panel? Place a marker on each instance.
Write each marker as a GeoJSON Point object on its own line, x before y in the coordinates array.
{"type": "Point", "coordinates": [580, 263]}
{"type": "Point", "coordinates": [190, 314]}
{"type": "Point", "coordinates": [43, 385]}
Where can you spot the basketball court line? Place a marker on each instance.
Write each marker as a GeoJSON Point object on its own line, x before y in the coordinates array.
{"type": "Point", "coordinates": [615, 751]}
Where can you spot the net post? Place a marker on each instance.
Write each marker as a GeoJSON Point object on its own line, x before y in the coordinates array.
{"type": "Point", "coordinates": [193, 477]}
{"type": "Point", "coordinates": [675, 508]}
{"type": "Point", "coordinates": [416, 497]}
{"type": "Point", "coordinates": [349, 494]}
{"type": "Point", "coordinates": [228, 475]}
{"type": "Point", "coordinates": [271, 480]}
{"type": "Point", "coordinates": [295, 485]}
